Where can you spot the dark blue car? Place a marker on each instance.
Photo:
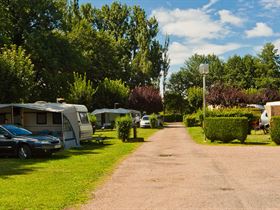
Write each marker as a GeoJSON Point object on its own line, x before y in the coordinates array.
{"type": "Point", "coordinates": [17, 141]}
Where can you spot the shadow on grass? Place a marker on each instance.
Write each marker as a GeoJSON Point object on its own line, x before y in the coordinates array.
{"type": "Point", "coordinates": [236, 142]}
{"type": "Point", "coordinates": [10, 166]}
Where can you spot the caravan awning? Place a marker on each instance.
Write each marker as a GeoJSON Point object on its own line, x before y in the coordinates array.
{"type": "Point", "coordinates": [4, 105]}
{"type": "Point", "coordinates": [115, 111]}
{"type": "Point", "coordinates": [47, 107]}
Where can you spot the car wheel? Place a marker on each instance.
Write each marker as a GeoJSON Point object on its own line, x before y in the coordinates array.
{"type": "Point", "coordinates": [24, 152]}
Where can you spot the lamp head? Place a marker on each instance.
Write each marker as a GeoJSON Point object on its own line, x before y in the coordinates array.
{"type": "Point", "coordinates": [204, 68]}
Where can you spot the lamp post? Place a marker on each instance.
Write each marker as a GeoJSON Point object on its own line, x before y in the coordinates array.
{"type": "Point", "coordinates": [204, 70]}
{"type": "Point", "coordinates": [115, 105]}
{"type": "Point", "coordinates": [163, 92]}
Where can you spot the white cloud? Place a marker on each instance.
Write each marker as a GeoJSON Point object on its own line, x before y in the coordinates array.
{"type": "Point", "coordinates": [208, 48]}
{"type": "Point", "coordinates": [180, 52]}
{"type": "Point", "coordinates": [277, 44]}
{"type": "Point", "coordinates": [260, 30]}
{"type": "Point", "coordinates": [227, 17]}
{"type": "Point", "coordinates": [193, 24]}
{"type": "Point", "coordinates": [270, 4]}
{"type": "Point", "coordinates": [211, 2]}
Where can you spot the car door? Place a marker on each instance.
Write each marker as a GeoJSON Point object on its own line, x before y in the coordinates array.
{"type": "Point", "coordinates": [7, 145]}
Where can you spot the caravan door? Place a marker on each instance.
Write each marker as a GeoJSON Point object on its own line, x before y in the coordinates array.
{"type": "Point", "coordinates": [69, 137]}
{"type": "Point", "coordinates": [85, 126]}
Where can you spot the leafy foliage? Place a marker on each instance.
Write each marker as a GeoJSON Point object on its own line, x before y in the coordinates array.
{"type": "Point", "coordinates": [146, 99]}
{"type": "Point", "coordinates": [110, 92]}
{"type": "Point", "coordinates": [17, 75]}
{"type": "Point", "coordinates": [123, 125]}
{"type": "Point", "coordinates": [153, 120]}
{"type": "Point", "coordinates": [175, 103]}
{"type": "Point", "coordinates": [92, 118]}
{"type": "Point", "coordinates": [173, 118]}
{"type": "Point", "coordinates": [220, 94]}
{"type": "Point", "coordinates": [195, 98]}
{"type": "Point", "coordinates": [190, 120]}
{"type": "Point", "coordinates": [117, 42]}
{"type": "Point", "coordinates": [81, 91]}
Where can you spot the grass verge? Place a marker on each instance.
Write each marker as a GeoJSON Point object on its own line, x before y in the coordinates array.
{"type": "Point", "coordinates": [256, 138]}
{"type": "Point", "coordinates": [64, 179]}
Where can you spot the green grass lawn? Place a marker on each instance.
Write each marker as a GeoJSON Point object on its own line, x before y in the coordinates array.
{"type": "Point", "coordinates": [64, 179]}
{"type": "Point", "coordinates": [256, 138]}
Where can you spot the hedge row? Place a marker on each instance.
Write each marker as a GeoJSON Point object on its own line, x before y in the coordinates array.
{"type": "Point", "coordinates": [252, 115]}
{"type": "Point", "coordinates": [275, 129]}
{"type": "Point", "coordinates": [173, 118]}
{"type": "Point", "coordinates": [190, 120]}
{"type": "Point", "coordinates": [226, 129]}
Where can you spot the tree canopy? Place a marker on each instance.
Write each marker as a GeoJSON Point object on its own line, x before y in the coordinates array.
{"type": "Point", "coordinates": [114, 43]}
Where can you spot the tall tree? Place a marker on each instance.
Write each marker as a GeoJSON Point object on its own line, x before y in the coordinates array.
{"type": "Point", "coordinates": [25, 18]}
{"type": "Point", "coordinates": [268, 67]}
{"type": "Point", "coordinates": [81, 91]}
{"type": "Point", "coordinates": [110, 92]}
{"type": "Point", "coordinates": [17, 75]}
{"type": "Point", "coordinates": [146, 99]}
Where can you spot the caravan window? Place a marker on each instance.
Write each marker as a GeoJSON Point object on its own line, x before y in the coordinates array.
{"type": "Point", "coordinates": [83, 117]}
{"type": "Point", "coordinates": [57, 118]}
{"type": "Point", "coordinates": [42, 118]}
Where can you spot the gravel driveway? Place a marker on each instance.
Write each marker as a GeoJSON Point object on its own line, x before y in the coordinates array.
{"type": "Point", "coordinates": [170, 171]}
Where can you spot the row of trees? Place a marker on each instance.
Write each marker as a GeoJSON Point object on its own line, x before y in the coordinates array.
{"type": "Point", "coordinates": [50, 47]}
{"type": "Point", "coordinates": [247, 79]}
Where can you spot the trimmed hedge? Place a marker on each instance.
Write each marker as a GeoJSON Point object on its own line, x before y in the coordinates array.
{"type": "Point", "coordinates": [275, 129]}
{"type": "Point", "coordinates": [252, 115]}
{"type": "Point", "coordinates": [190, 120]}
{"type": "Point", "coordinates": [173, 118]}
{"type": "Point", "coordinates": [123, 125]}
{"type": "Point", "coordinates": [226, 129]}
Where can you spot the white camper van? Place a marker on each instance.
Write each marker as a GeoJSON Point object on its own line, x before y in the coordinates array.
{"type": "Point", "coordinates": [69, 122]}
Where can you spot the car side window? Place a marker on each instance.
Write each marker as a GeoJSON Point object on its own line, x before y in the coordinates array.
{"type": "Point", "coordinates": [2, 132]}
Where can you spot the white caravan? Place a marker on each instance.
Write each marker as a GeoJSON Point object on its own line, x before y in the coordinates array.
{"type": "Point", "coordinates": [69, 122]}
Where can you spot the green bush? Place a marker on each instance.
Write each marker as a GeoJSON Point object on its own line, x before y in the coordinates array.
{"type": "Point", "coordinates": [92, 118]}
{"type": "Point", "coordinates": [190, 120]}
{"type": "Point", "coordinates": [251, 114]}
{"type": "Point", "coordinates": [123, 125]}
{"type": "Point", "coordinates": [275, 129]}
{"type": "Point", "coordinates": [226, 129]}
{"type": "Point", "coordinates": [173, 118]}
{"type": "Point", "coordinates": [153, 120]}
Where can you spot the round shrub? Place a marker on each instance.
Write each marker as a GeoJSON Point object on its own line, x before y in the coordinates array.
{"type": "Point", "coordinates": [275, 129]}
{"type": "Point", "coordinates": [153, 120]}
{"type": "Point", "coordinates": [123, 125]}
{"type": "Point", "coordinates": [226, 129]}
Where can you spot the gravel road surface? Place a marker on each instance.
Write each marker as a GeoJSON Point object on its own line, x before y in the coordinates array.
{"type": "Point", "coordinates": [170, 171]}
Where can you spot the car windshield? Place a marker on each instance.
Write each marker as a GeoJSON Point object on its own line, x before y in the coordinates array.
{"type": "Point", "coordinates": [145, 118]}
{"type": "Point", "coordinates": [17, 131]}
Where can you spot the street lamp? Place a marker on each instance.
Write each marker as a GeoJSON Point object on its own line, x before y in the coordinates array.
{"type": "Point", "coordinates": [115, 105]}
{"type": "Point", "coordinates": [204, 69]}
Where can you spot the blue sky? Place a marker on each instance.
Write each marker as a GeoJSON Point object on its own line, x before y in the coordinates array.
{"type": "Point", "coordinates": [220, 27]}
